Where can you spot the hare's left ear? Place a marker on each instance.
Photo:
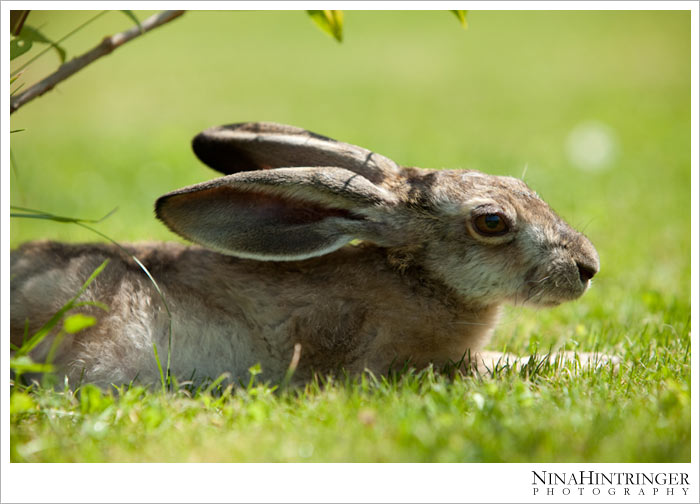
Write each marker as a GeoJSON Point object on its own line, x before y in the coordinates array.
{"type": "Point", "coordinates": [262, 145]}
{"type": "Point", "coordinates": [285, 214]}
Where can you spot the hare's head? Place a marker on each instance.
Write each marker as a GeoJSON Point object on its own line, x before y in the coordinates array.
{"type": "Point", "coordinates": [290, 194]}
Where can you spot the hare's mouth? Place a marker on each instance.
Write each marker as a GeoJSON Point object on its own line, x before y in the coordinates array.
{"type": "Point", "coordinates": [552, 290]}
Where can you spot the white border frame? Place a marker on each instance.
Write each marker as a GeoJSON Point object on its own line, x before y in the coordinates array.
{"type": "Point", "coordinates": [318, 482]}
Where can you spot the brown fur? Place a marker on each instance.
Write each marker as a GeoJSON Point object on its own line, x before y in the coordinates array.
{"type": "Point", "coordinates": [380, 317]}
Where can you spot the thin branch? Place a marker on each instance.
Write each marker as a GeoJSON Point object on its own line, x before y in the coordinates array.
{"type": "Point", "coordinates": [105, 47]}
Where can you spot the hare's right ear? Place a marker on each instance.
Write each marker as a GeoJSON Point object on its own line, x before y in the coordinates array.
{"type": "Point", "coordinates": [259, 145]}
{"type": "Point", "coordinates": [285, 214]}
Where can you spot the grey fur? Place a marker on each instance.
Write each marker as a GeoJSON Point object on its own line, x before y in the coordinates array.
{"type": "Point", "coordinates": [425, 285]}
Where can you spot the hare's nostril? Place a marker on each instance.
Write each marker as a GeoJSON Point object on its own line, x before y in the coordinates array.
{"type": "Point", "coordinates": [585, 272]}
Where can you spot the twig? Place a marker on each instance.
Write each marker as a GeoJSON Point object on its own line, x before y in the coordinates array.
{"type": "Point", "coordinates": [105, 47]}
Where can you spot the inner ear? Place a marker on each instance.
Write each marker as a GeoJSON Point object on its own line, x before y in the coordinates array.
{"type": "Point", "coordinates": [257, 224]}
{"type": "Point", "coordinates": [226, 203]}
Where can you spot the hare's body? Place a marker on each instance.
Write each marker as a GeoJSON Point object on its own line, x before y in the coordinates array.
{"type": "Point", "coordinates": [254, 313]}
{"type": "Point", "coordinates": [442, 251]}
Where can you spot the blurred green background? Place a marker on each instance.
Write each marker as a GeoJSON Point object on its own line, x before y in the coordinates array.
{"type": "Point", "coordinates": [592, 107]}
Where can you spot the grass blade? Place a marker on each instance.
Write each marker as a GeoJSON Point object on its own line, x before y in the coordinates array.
{"type": "Point", "coordinates": [160, 368]}
{"type": "Point", "coordinates": [15, 90]}
{"type": "Point", "coordinates": [38, 214]}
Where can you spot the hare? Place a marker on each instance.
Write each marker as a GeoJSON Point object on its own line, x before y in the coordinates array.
{"type": "Point", "coordinates": [439, 253]}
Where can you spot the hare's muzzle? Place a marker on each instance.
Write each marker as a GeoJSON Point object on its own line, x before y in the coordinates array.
{"type": "Point", "coordinates": [564, 273]}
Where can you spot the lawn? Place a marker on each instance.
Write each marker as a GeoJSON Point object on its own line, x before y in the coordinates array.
{"type": "Point", "coordinates": [591, 108]}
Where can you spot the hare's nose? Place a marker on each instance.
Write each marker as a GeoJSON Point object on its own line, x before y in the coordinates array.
{"type": "Point", "coordinates": [585, 271]}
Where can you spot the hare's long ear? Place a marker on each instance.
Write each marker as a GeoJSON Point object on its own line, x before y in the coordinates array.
{"type": "Point", "coordinates": [258, 146]}
{"type": "Point", "coordinates": [285, 214]}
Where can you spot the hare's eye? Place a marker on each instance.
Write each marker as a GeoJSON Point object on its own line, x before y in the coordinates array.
{"type": "Point", "coordinates": [491, 224]}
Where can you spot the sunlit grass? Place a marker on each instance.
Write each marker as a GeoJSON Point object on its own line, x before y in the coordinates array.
{"type": "Point", "coordinates": [561, 414]}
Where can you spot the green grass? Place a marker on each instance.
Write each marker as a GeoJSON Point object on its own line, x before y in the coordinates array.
{"type": "Point", "coordinates": [499, 97]}
{"type": "Point", "coordinates": [559, 415]}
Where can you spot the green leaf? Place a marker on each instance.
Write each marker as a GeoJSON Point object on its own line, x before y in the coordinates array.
{"type": "Point", "coordinates": [78, 322]}
{"type": "Point", "coordinates": [255, 370]}
{"type": "Point", "coordinates": [21, 402]}
{"type": "Point", "coordinates": [330, 21]}
{"type": "Point", "coordinates": [133, 17]}
{"type": "Point", "coordinates": [19, 46]}
{"type": "Point", "coordinates": [462, 16]}
{"type": "Point", "coordinates": [93, 399]}
{"type": "Point", "coordinates": [31, 34]}
{"type": "Point", "coordinates": [25, 364]}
